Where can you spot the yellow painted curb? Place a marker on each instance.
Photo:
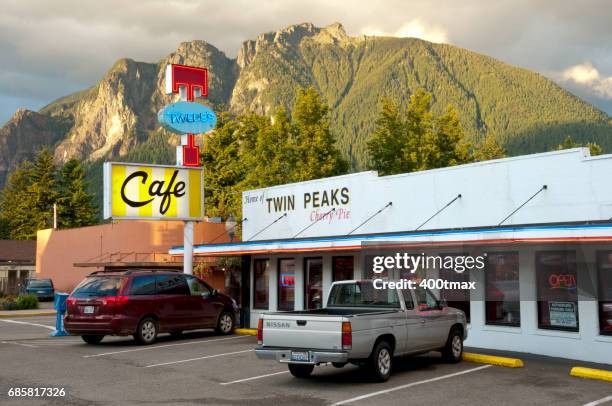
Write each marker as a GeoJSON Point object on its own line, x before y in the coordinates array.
{"type": "Point", "coordinates": [9, 316]}
{"type": "Point", "coordinates": [590, 373]}
{"type": "Point", "coordinates": [493, 360]}
{"type": "Point", "coordinates": [246, 331]}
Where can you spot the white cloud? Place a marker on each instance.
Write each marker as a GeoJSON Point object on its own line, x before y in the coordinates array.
{"type": "Point", "coordinates": [586, 75]}
{"type": "Point", "coordinates": [414, 29]}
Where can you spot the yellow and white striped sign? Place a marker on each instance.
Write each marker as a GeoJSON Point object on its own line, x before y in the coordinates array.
{"type": "Point", "coordinates": [136, 191]}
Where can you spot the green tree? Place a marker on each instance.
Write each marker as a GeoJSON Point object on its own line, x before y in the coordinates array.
{"type": "Point", "coordinates": [41, 193]}
{"type": "Point", "coordinates": [388, 142]}
{"type": "Point", "coordinates": [74, 204]}
{"type": "Point", "coordinates": [14, 204]}
{"type": "Point", "coordinates": [568, 143]}
{"type": "Point", "coordinates": [489, 149]}
{"type": "Point", "coordinates": [315, 145]}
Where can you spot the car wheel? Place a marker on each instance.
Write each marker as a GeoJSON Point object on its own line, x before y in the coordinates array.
{"type": "Point", "coordinates": [147, 331]}
{"type": "Point", "coordinates": [453, 350]}
{"type": "Point", "coordinates": [300, 370]}
{"type": "Point", "coordinates": [381, 361]}
{"type": "Point", "coordinates": [92, 339]}
{"type": "Point", "coordinates": [225, 324]}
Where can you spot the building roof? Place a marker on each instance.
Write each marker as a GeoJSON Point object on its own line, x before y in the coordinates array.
{"type": "Point", "coordinates": [520, 234]}
{"type": "Point", "coordinates": [18, 251]}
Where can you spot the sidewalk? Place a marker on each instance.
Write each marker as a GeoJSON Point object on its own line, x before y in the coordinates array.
{"type": "Point", "coordinates": [45, 309]}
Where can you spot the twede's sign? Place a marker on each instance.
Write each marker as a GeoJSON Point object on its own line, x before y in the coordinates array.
{"type": "Point", "coordinates": [187, 118]}
{"type": "Point", "coordinates": [154, 192]}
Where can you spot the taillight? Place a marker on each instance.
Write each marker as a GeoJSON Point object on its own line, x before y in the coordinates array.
{"type": "Point", "coordinates": [70, 301]}
{"type": "Point", "coordinates": [260, 331]}
{"type": "Point", "coordinates": [347, 335]}
{"type": "Point", "coordinates": [115, 300]}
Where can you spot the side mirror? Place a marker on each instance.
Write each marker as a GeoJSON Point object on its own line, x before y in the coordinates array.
{"type": "Point", "coordinates": [442, 303]}
{"type": "Point", "coordinates": [214, 292]}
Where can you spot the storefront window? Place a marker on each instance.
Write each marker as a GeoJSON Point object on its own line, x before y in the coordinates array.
{"type": "Point", "coordinates": [261, 284]}
{"type": "Point", "coordinates": [313, 268]}
{"type": "Point", "coordinates": [342, 268]}
{"type": "Point", "coordinates": [457, 298]}
{"type": "Point", "coordinates": [557, 290]}
{"type": "Point", "coordinates": [503, 303]}
{"type": "Point", "coordinates": [604, 280]}
{"type": "Point", "coordinates": [286, 284]}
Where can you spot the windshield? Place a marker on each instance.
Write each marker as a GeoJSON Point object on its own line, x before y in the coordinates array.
{"type": "Point", "coordinates": [98, 286]}
{"type": "Point", "coordinates": [362, 294]}
{"type": "Point", "coordinates": [39, 284]}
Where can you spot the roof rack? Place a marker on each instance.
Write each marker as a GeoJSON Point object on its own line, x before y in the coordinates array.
{"type": "Point", "coordinates": [132, 270]}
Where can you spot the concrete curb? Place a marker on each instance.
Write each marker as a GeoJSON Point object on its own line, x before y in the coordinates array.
{"type": "Point", "coordinates": [246, 331]}
{"type": "Point", "coordinates": [590, 373]}
{"type": "Point", "coordinates": [493, 360]}
{"type": "Point", "coordinates": [41, 313]}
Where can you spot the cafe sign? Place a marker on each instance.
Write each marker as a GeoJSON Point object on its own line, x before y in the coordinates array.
{"type": "Point", "coordinates": [152, 192]}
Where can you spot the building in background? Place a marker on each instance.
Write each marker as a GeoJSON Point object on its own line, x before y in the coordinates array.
{"type": "Point", "coordinates": [542, 222]}
{"type": "Point", "coordinates": [67, 256]}
{"type": "Point", "coordinates": [17, 263]}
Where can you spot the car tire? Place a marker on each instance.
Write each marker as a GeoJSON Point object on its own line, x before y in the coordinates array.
{"type": "Point", "coordinates": [453, 350]}
{"type": "Point", "coordinates": [225, 324]}
{"type": "Point", "coordinates": [301, 370]}
{"type": "Point", "coordinates": [92, 338]}
{"type": "Point", "coordinates": [380, 363]}
{"type": "Point", "coordinates": [147, 330]}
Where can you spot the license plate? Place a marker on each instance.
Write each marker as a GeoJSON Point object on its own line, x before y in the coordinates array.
{"type": "Point", "coordinates": [300, 356]}
{"type": "Point", "coordinates": [41, 291]}
{"type": "Point", "coordinates": [88, 309]}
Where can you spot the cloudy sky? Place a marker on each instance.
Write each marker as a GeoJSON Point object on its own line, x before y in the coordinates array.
{"type": "Point", "coordinates": [51, 48]}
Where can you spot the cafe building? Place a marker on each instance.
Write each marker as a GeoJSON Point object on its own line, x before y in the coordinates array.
{"type": "Point", "coordinates": [540, 223]}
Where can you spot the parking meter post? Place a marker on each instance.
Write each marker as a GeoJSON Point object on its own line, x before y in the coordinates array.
{"type": "Point", "coordinates": [59, 303]}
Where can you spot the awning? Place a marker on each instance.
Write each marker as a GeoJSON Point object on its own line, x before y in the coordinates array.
{"type": "Point", "coordinates": [575, 232]}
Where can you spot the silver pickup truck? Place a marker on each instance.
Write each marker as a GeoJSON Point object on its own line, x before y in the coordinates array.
{"type": "Point", "coordinates": [365, 326]}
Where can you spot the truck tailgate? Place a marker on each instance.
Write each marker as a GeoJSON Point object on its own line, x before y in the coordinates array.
{"type": "Point", "coordinates": [302, 331]}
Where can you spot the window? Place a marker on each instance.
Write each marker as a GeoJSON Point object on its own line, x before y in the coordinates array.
{"type": "Point", "coordinates": [314, 283]}
{"type": "Point", "coordinates": [342, 268]}
{"type": "Point", "coordinates": [172, 285]}
{"type": "Point", "coordinates": [503, 303]}
{"type": "Point", "coordinates": [98, 286]}
{"type": "Point", "coordinates": [261, 284]}
{"type": "Point", "coordinates": [143, 285]}
{"type": "Point", "coordinates": [457, 298]}
{"type": "Point", "coordinates": [197, 287]}
{"type": "Point", "coordinates": [604, 281]}
{"type": "Point", "coordinates": [40, 284]}
{"type": "Point", "coordinates": [425, 299]}
{"type": "Point", "coordinates": [286, 284]}
{"type": "Point", "coordinates": [362, 294]}
{"type": "Point", "coordinates": [557, 290]}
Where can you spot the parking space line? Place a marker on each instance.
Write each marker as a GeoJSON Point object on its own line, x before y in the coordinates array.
{"type": "Point", "coordinates": [15, 343]}
{"type": "Point", "coordinates": [600, 401]}
{"type": "Point", "coordinates": [409, 385]}
{"type": "Point", "coordinates": [198, 358]}
{"type": "Point", "coordinates": [253, 378]}
{"type": "Point", "coordinates": [28, 324]}
{"type": "Point", "coordinates": [161, 346]}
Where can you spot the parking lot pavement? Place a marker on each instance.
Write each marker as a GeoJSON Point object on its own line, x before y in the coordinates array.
{"type": "Point", "coordinates": [202, 368]}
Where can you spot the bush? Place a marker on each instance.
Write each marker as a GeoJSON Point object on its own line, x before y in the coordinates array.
{"type": "Point", "coordinates": [22, 302]}
{"type": "Point", "coordinates": [27, 302]}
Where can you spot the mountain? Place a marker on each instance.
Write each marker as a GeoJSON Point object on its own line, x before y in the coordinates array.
{"type": "Point", "coordinates": [116, 119]}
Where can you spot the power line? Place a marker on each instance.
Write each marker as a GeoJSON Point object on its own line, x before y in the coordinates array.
{"type": "Point", "coordinates": [439, 211]}
{"type": "Point", "coordinates": [266, 227]}
{"type": "Point", "coordinates": [544, 187]}
{"type": "Point", "coordinates": [313, 223]}
{"type": "Point", "coordinates": [371, 217]}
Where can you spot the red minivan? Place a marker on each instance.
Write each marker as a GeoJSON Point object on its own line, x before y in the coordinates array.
{"type": "Point", "coordinates": [144, 303]}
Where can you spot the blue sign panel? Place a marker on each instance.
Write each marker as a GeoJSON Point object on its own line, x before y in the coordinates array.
{"type": "Point", "coordinates": [187, 118]}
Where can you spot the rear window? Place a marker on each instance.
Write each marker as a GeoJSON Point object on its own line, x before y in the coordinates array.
{"type": "Point", "coordinates": [362, 295]}
{"type": "Point", "coordinates": [39, 284]}
{"type": "Point", "coordinates": [98, 286]}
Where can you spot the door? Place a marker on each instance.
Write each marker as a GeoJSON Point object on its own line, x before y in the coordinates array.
{"type": "Point", "coordinates": [431, 331]}
{"type": "Point", "coordinates": [205, 306]}
{"type": "Point", "coordinates": [173, 292]}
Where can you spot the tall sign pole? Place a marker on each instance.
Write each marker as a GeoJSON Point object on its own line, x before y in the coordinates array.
{"type": "Point", "coordinates": [189, 82]}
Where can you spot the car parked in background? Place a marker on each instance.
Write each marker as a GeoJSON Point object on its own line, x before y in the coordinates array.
{"type": "Point", "coordinates": [144, 303]}
{"type": "Point", "coordinates": [42, 288]}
